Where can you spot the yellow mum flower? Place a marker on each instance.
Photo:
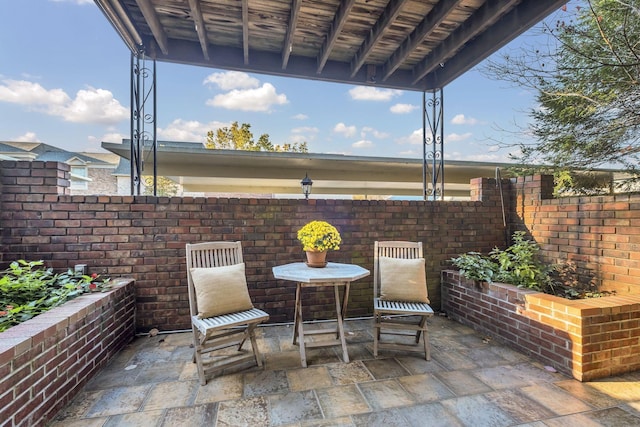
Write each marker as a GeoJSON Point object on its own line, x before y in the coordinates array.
{"type": "Point", "coordinates": [319, 236]}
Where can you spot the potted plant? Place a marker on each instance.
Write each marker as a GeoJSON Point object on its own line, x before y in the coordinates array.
{"type": "Point", "coordinates": [318, 237]}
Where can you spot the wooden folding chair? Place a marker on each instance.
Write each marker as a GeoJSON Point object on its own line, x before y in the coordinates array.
{"type": "Point", "coordinates": [222, 314]}
{"type": "Point", "coordinates": [400, 297]}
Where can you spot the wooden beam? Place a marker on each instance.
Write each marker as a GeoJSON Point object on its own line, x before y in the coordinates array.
{"type": "Point", "coordinates": [291, 29]}
{"type": "Point", "coordinates": [482, 19]}
{"type": "Point", "coordinates": [151, 17]}
{"type": "Point", "coordinates": [245, 30]}
{"type": "Point", "coordinates": [430, 22]}
{"type": "Point", "coordinates": [196, 15]}
{"type": "Point", "coordinates": [389, 15]}
{"type": "Point", "coordinates": [231, 58]}
{"type": "Point", "coordinates": [121, 22]}
{"type": "Point", "coordinates": [510, 26]}
{"type": "Point", "coordinates": [334, 31]}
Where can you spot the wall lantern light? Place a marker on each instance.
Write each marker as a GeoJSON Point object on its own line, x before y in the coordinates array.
{"type": "Point", "coordinates": [306, 184]}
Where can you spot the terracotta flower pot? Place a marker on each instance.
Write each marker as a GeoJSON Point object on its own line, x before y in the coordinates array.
{"type": "Point", "coordinates": [316, 259]}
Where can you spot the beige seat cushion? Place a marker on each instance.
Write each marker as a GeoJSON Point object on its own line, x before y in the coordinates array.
{"type": "Point", "coordinates": [403, 280]}
{"type": "Point", "coordinates": [221, 290]}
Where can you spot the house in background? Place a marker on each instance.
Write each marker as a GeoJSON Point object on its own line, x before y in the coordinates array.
{"type": "Point", "coordinates": [91, 173]}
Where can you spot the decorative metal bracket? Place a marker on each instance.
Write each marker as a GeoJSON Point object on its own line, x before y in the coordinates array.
{"type": "Point", "coordinates": [143, 120]}
{"type": "Point", "coordinates": [433, 146]}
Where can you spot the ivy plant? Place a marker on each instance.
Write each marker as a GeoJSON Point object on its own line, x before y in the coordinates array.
{"type": "Point", "coordinates": [27, 289]}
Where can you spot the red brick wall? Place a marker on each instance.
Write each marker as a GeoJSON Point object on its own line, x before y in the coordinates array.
{"type": "Point", "coordinates": [45, 361]}
{"type": "Point", "coordinates": [144, 237]}
{"type": "Point", "coordinates": [588, 339]}
{"type": "Point", "coordinates": [600, 234]}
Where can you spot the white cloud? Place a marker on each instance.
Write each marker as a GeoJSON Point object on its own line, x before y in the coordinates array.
{"type": "Point", "coordinates": [93, 106]}
{"type": "Point", "coordinates": [229, 80]}
{"type": "Point", "coordinates": [305, 129]}
{"type": "Point", "coordinates": [189, 130]}
{"type": "Point", "coordinates": [402, 108]}
{"type": "Point", "coordinates": [300, 117]}
{"type": "Point", "coordinates": [376, 133]}
{"type": "Point", "coordinates": [260, 99]}
{"type": "Point", "coordinates": [414, 138]}
{"type": "Point", "coordinates": [460, 119]}
{"type": "Point", "coordinates": [28, 93]}
{"type": "Point", "coordinates": [298, 138]}
{"type": "Point", "coordinates": [94, 143]}
{"type": "Point", "coordinates": [27, 137]}
{"type": "Point", "coordinates": [456, 137]}
{"type": "Point", "coordinates": [367, 93]}
{"type": "Point", "coordinates": [344, 130]}
{"type": "Point", "coordinates": [363, 143]}
{"type": "Point", "coordinates": [114, 137]}
{"type": "Point", "coordinates": [304, 134]}
{"type": "Point", "coordinates": [89, 106]}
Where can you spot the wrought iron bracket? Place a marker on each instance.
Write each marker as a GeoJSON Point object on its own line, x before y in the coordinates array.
{"type": "Point", "coordinates": [433, 145]}
{"type": "Point", "coordinates": [143, 120]}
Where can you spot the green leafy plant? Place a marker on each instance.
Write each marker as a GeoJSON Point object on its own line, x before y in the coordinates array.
{"type": "Point", "coordinates": [475, 266]}
{"type": "Point", "coordinates": [27, 289]}
{"type": "Point", "coordinates": [519, 265]}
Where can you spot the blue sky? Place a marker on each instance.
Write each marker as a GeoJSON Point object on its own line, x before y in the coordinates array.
{"type": "Point", "coordinates": [64, 81]}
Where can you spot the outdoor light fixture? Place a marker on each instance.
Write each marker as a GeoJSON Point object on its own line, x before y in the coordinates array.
{"type": "Point", "coordinates": [306, 185]}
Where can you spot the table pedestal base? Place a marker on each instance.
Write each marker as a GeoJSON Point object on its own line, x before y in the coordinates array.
{"type": "Point", "coordinates": [298, 327]}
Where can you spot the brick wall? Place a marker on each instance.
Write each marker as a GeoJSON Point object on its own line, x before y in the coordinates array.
{"type": "Point", "coordinates": [601, 234]}
{"type": "Point", "coordinates": [45, 361]}
{"type": "Point", "coordinates": [144, 237]}
{"type": "Point", "coordinates": [588, 339]}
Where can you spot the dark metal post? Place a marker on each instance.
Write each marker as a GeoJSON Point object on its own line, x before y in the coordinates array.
{"type": "Point", "coordinates": [433, 159]}
{"type": "Point", "coordinates": [139, 117]}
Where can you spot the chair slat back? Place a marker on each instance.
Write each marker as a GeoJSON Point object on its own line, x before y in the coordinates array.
{"type": "Point", "coordinates": [209, 254]}
{"type": "Point", "coordinates": [392, 249]}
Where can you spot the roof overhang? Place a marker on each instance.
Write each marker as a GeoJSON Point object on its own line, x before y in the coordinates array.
{"type": "Point", "coordinates": [418, 45]}
{"type": "Point", "coordinates": [200, 169]}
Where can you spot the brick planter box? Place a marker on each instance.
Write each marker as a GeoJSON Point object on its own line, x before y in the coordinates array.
{"type": "Point", "coordinates": [587, 339]}
{"type": "Point", "coordinates": [45, 361]}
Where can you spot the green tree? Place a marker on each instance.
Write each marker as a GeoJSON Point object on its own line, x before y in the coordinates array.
{"type": "Point", "coordinates": [240, 137]}
{"type": "Point", "coordinates": [164, 186]}
{"type": "Point", "coordinates": [587, 83]}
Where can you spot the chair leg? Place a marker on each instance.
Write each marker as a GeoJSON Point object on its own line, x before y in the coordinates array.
{"type": "Point", "coordinates": [244, 338]}
{"type": "Point", "coordinates": [425, 337]}
{"type": "Point", "coordinates": [423, 322]}
{"type": "Point", "coordinates": [427, 347]}
{"type": "Point", "coordinates": [252, 336]}
{"type": "Point", "coordinates": [376, 334]}
{"type": "Point", "coordinates": [197, 356]}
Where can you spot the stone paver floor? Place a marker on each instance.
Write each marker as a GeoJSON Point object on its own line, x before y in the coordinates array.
{"type": "Point", "coordinates": [470, 381]}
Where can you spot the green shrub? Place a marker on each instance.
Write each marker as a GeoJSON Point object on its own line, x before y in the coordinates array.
{"type": "Point", "coordinates": [516, 265]}
{"type": "Point", "coordinates": [475, 266]}
{"type": "Point", "coordinates": [519, 265]}
{"type": "Point", "coordinates": [28, 289]}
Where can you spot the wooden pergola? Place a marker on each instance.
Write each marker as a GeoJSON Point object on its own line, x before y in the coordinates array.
{"type": "Point", "coordinates": [416, 45]}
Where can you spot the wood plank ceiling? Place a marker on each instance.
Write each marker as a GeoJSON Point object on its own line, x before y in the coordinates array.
{"type": "Point", "coordinates": [418, 45]}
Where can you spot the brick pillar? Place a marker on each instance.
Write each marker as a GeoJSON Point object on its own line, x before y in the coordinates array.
{"type": "Point", "coordinates": [527, 194]}
{"type": "Point", "coordinates": [487, 190]}
{"type": "Point", "coordinates": [24, 181]}
{"type": "Point", "coordinates": [33, 178]}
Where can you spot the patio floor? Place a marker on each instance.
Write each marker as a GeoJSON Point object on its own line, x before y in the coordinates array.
{"type": "Point", "coordinates": [470, 381]}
